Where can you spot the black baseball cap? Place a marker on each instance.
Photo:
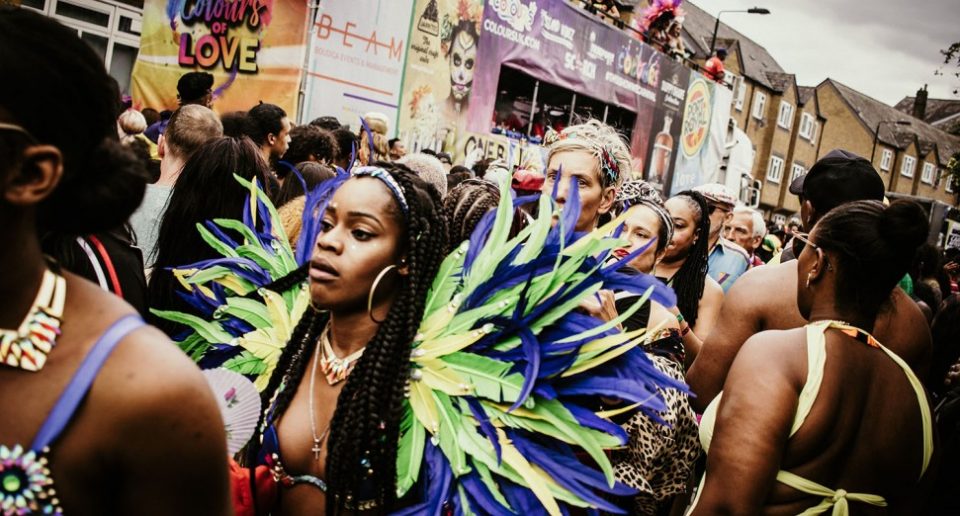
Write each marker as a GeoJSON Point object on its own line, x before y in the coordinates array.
{"type": "Point", "coordinates": [194, 85]}
{"type": "Point", "coordinates": [838, 178]}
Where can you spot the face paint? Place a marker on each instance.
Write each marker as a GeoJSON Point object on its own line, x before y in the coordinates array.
{"type": "Point", "coordinates": [463, 56]}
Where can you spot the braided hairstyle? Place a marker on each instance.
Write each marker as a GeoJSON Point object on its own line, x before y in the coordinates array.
{"type": "Point", "coordinates": [364, 431]}
{"type": "Point", "coordinates": [688, 282]}
{"type": "Point", "coordinates": [464, 206]}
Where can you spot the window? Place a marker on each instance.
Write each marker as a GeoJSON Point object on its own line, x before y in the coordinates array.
{"type": "Point", "coordinates": [927, 175]}
{"type": "Point", "coordinates": [741, 94]}
{"type": "Point", "coordinates": [796, 171]}
{"type": "Point", "coordinates": [775, 170]}
{"type": "Point", "coordinates": [885, 160]}
{"type": "Point", "coordinates": [785, 116]}
{"type": "Point", "coordinates": [806, 126]}
{"type": "Point", "coordinates": [813, 135]}
{"type": "Point", "coordinates": [759, 105]}
{"type": "Point", "coordinates": [908, 166]}
{"type": "Point", "coordinates": [949, 184]}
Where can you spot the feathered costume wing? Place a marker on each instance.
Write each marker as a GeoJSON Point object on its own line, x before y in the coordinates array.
{"type": "Point", "coordinates": [504, 409]}
{"type": "Point", "coordinates": [247, 317]}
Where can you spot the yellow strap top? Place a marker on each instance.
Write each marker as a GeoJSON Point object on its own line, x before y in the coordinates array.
{"type": "Point", "coordinates": [816, 359]}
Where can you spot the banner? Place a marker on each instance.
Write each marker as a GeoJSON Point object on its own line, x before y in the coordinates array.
{"type": "Point", "coordinates": [661, 153]}
{"type": "Point", "coordinates": [951, 239]}
{"type": "Point", "coordinates": [357, 53]}
{"type": "Point", "coordinates": [438, 78]}
{"type": "Point", "coordinates": [705, 117]}
{"type": "Point", "coordinates": [558, 43]}
{"type": "Point", "coordinates": [254, 49]}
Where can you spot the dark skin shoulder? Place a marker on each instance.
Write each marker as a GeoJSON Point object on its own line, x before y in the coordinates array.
{"type": "Point", "coordinates": [765, 299]}
{"type": "Point", "coordinates": [148, 439]}
{"type": "Point", "coordinates": [864, 404]}
{"type": "Point", "coordinates": [750, 306]}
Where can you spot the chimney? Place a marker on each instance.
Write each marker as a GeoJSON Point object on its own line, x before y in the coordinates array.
{"type": "Point", "coordinates": [920, 103]}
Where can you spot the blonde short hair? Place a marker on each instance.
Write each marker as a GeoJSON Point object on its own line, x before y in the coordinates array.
{"type": "Point", "coordinates": [598, 139]}
{"type": "Point", "coordinates": [132, 122]}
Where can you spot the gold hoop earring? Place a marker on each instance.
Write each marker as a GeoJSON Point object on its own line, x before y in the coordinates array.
{"type": "Point", "coordinates": [373, 290]}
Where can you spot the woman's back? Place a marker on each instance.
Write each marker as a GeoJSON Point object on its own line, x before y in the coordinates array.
{"type": "Point", "coordinates": [864, 432]}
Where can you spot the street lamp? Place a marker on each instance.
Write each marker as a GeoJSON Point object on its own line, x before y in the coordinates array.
{"type": "Point", "coordinates": [716, 26]}
{"type": "Point", "coordinates": [876, 134]}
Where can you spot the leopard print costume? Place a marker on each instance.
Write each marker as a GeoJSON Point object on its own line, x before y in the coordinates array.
{"type": "Point", "coordinates": [659, 459]}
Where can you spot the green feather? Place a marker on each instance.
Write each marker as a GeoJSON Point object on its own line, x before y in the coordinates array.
{"type": "Point", "coordinates": [409, 452]}
{"type": "Point", "coordinates": [211, 332]}
{"type": "Point", "coordinates": [194, 346]}
{"type": "Point", "coordinates": [450, 421]}
{"type": "Point", "coordinates": [214, 242]}
{"type": "Point", "coordinates": [245, 363]}
{"type": "Point", "coordinates": [596, 330]}
{"type": "Point", "coordinates": [446, 281]}
{"type": "Point", "coordinates": [539, 230]}
{"type": "Point", "coordinates": [258, 254]}
{"type": "Point", "coordinates": [250, 310]}
{"type": "Point", "coordinates": [491, 484]}
{"type": "Point", "coordinates": [490, 378]}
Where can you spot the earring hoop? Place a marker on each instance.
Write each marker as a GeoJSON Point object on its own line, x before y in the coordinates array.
{"type": "Point", "coordinates": [373, 290]}
{"type": "Point", "coordinates": [808, 280]}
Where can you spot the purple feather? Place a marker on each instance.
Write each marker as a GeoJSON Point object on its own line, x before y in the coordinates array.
{"type": "Point", "coordinates": [369, 133]}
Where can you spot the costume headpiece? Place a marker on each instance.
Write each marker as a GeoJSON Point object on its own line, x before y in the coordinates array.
{"type": "Point", "coordinates": [388, 180]}
{"type": "Point", "coordinates": [635, 192]}
{"type": "Point", "coordinates": [659, 8]}
{"type": "Point", "coordinates": [609, 169]}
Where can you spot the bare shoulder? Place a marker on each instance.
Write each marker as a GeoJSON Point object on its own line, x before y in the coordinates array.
{"type": "Point", "coordinates": [762, 287]}
{"type": "Point", "coordinates": [712, 291]}
{"type": "Point", "coordinates": [772, 349]}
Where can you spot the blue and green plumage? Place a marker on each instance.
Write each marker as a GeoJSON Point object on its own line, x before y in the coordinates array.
{"type": "Point", "coordinates": [506, 374]}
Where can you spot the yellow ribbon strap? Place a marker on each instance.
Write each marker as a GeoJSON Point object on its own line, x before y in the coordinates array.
{"type": "Point", "coordinates": [838, 500]}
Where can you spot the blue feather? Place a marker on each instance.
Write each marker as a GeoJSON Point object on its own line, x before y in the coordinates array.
{"type": "Point", "coordinates": [486, 428]}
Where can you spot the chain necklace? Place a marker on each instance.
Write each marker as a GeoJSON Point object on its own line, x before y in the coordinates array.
{"type": "Point", "coordinates": [27, 347]}
{"type": "Point", "coordinates": [317, 440]}
{"type": "Point", "coordinates": [334, 368]}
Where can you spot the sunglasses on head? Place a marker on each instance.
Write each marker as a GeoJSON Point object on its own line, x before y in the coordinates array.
{"type": "Point", "coordinates": [800, 241]}
{"type": "Point", "coordinates": [714, 207]}
{"type": "Point", "coordinates": [17, 129]}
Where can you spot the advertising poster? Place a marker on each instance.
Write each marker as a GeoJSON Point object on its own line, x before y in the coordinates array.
{"type": "Point", "coordinates": [438, 82]}
{"type": "Point", "coordinates": [704, 124]}
{"type": "Point", "coordinates": [952, 238]}
{"type": "Point", "coordinates": [357, 53]}
{"type": "Point", "coordinates": [254, 49]}
{"type": "Point", "coordinates": [666, 123]}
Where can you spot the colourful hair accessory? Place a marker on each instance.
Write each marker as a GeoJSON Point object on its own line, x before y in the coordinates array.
{"type": "Point", "coordinates": [388, 180]}
{"type": "Point", "coordinates": [609, 170]}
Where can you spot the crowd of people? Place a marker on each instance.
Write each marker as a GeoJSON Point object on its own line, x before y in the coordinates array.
{"type": "Point", "coordinates": [803, 369]}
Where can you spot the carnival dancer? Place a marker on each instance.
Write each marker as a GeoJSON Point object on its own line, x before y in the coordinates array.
{"type": "Point", "coordinates": [472, 396]}
{"type": "Point", "coordinates": [684, 267]}
{"type": "Point", "coordinates": [101, 414]}
{"type": "Point", "coordinates": [658, 460]}
{"type": "Point", "coordinates": [804, 411]}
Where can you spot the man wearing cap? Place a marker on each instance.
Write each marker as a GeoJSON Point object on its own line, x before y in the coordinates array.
{"type": "Point", "coordinates": [727, 260]}
{"type": "Point", "coordinates": [765, 298]}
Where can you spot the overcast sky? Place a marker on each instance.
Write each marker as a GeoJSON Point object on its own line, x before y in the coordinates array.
{"type": "Point", "coordinates": [886, 49]}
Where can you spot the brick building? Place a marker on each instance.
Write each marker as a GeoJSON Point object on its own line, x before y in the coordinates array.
{"type": "Point", "coordinates": [909, 153]}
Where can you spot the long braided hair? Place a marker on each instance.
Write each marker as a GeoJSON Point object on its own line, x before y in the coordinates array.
{"type": "Point", "coordinates": [364, 431]}
{"type": "Point", "coordinates": [689, 280]}
{"type": "Point", "coordinates": [465, 205]}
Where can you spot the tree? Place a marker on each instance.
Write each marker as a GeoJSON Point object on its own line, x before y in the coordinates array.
{"type": "Point", "coordinates": [951, 55]}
